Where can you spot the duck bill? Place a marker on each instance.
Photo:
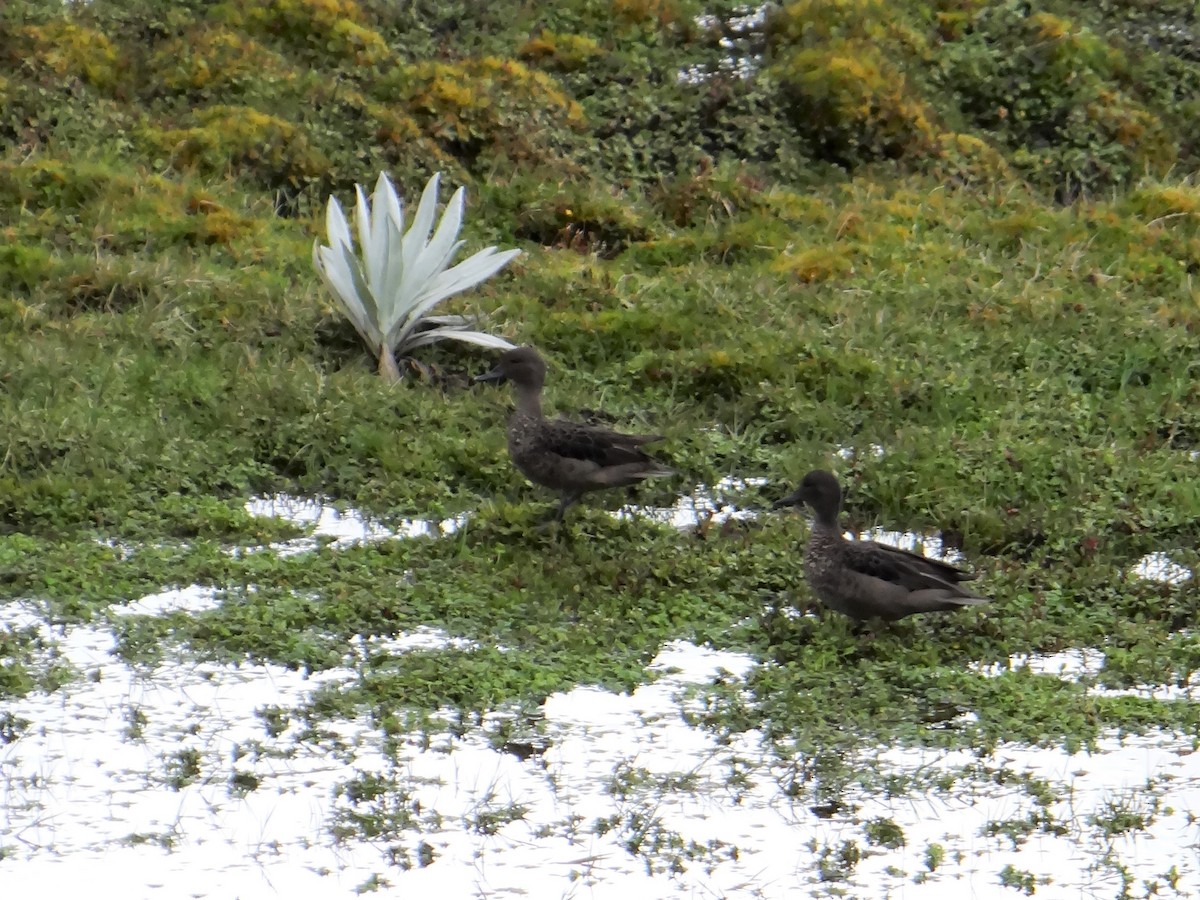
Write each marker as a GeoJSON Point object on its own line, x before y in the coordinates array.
{"type": "Point", "coordinates": [795, 498]}
{"type": "Point", "coordinates": [497, 374]}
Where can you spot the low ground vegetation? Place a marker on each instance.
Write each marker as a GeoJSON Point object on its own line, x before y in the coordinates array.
{"type": "Point", "coordinates": [968, 233]}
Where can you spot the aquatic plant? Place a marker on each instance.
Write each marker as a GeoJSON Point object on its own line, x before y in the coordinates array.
{"type": "Point", "coordinates": [400, 276]}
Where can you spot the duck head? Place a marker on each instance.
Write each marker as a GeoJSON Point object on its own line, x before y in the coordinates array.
{"type": "Point", "coordinates": [522, 366]}
{"type": "Point", "coordinates": [821, 491]}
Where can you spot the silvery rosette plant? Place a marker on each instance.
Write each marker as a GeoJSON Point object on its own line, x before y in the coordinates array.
{"type": "Point", "coordinates": [399, 276]}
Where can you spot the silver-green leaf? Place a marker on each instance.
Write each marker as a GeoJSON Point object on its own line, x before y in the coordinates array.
{"type": "Point", "coordinates": [399, 276]}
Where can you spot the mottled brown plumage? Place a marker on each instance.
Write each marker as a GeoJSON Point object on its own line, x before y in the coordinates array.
{"type": "Point", "coordinates": [569, 457]}
{"type": "Point", "coordinates": [865, 579]}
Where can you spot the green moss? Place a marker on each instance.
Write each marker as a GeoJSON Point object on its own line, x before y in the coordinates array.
{"type": "Point", "coordinates": [1160, 203]}
{"type": "Point", "coordinates": [585, 218]}
{"type": "Point", "coordinates": [649, 13]}
{"type": "Point", "coordinates": [814, 23]}
{"type": "Point", "coordinates": [215, 59]}
{"type": "Point", "coordinates": [565, 52]}
{"type": "Point", "coordinates": [48, 184]}
{"type": "Point", "coordinates": [73, 51]}
{"type": "Point", "coordinates": [239, 139]}
{"type": "Point", "coordinates": [964, 159]}
{"type": "Point", "coordinates": [1059, 94]}
{"type": "Point", "coordinates": [814, 264]}
{"type": "Point", "coordinates": [842, 89]}
{"type": "Point", "coordinates": [325, 28]}
{"type": "Point", "coordinates": [488, 105]}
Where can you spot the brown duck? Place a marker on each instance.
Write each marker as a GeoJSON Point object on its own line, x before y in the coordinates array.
{"type": "Point", "coordinates": [569, 457]}
{"type": "Point", "coordinates": [864, 579]}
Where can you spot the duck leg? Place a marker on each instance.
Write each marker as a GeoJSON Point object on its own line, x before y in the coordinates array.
{"type": "Point", "coordinates": [567, 499]}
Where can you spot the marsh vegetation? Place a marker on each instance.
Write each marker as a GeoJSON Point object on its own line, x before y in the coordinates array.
{"type": "Point", "coordinates": [946, 250]}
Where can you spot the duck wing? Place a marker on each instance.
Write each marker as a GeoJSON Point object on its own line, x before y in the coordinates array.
{"type": "Point", "coordinates": [591, 443]}
{"type": "Point", "coordinates": [905, 569]}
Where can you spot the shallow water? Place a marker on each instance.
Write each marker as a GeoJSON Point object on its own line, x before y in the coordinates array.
{"type": "Point", "coordinates": [927, 544]}
{"type": "Point", "coordinates": [1160, 567]}
{"type": "Point", "coordinates": [86, 798]}
{"type": "Point", "coordinates": [741, 33]}
{"type": "Point", "coordinates": [704, 505]}
{"type": "Point", "coordinates": [169, 782]}
{"type": "Point", "coordinates": [341, 528]}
